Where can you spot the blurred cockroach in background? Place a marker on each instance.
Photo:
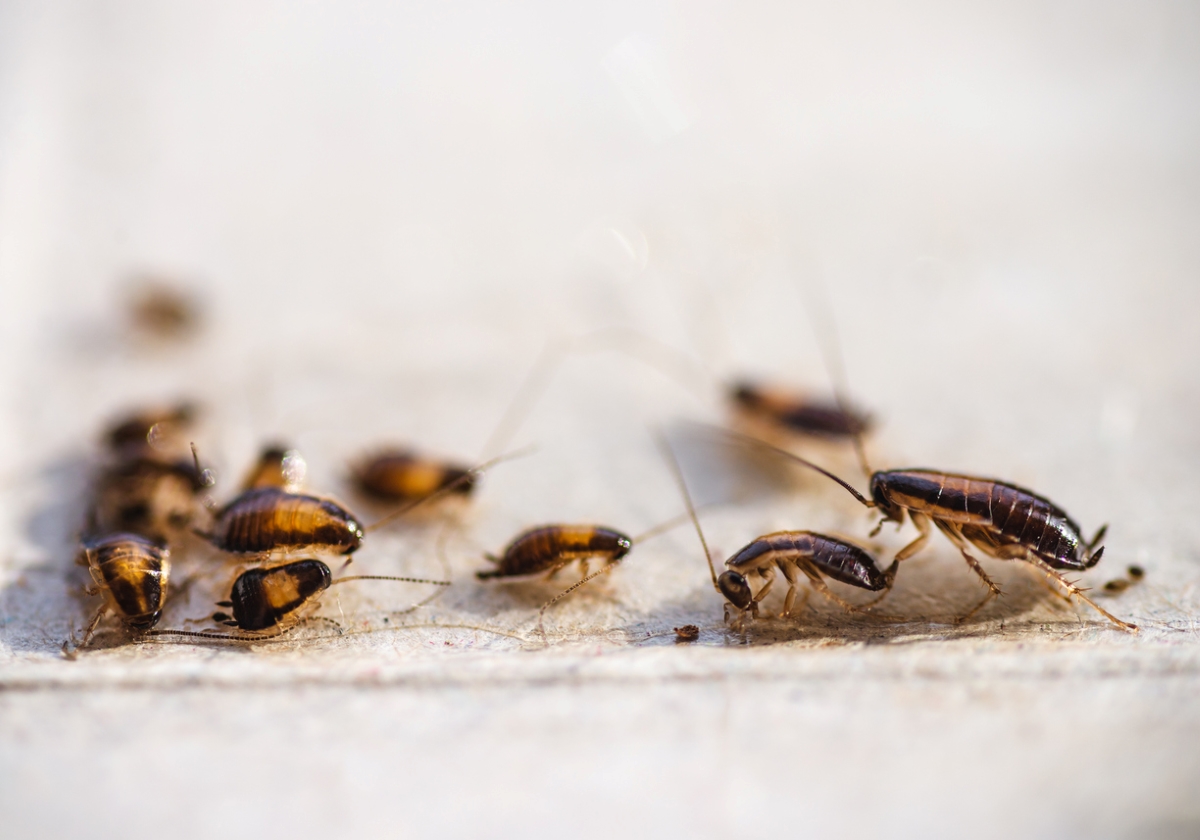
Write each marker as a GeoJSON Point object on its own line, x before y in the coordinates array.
{"type": "Point", "coordinates": [161, 309]}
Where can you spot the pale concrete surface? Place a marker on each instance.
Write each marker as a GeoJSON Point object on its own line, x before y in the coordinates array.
{"type": "Point", "coordinates": [388, 212]}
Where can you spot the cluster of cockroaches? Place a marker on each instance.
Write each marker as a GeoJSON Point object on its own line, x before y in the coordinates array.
{"type": "Point", "coordinates": [153, 496]}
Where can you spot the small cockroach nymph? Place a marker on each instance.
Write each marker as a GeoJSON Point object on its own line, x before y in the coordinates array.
{"type": "Point", "coordinates": [153, 498]}
{"type": "Point", "coordinates": [131, 572]}
{"type": "Point", "coordinates": [266, 602]}
{"type": "Point", "coordinates": [548, 549]}
{"type": "Point", "coordinates": [154, 433]}
{"type": "Point", "coordinates": [403, 475]}
{"type": "Point", "coordinates": [1000, 519]}
{"type": "Point", "coordinates": [160, 309]}
{"type": "Point", "coordinates": [797, 413]}
{"type": "Point", "coordinates": [269, 520]}
{"type": "Point", "coordinates": [277, 466]}
{"type": "Point", "coordinates": [793, 553]}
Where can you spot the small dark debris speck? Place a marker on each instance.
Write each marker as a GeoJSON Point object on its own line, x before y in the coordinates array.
{"type": "Point", "coordinates": [687, 633]}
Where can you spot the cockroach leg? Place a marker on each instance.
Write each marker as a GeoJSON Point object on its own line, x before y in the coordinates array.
{"type": "Point", "coordinates": [921, 522]}
{"type": "Point", "coordinates": [91, 628]}
{"type": "Point", "coordinates": [1072, 589]}
{"type": "Point", "coordinates": [768, 575]}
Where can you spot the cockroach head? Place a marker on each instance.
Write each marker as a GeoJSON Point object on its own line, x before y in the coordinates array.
{"type": "Point", "coordinates": [735, 589]}
{"type": "Point", "coordinates": [882, 499]}
{"type": "Point", "coordinates": [144, 622]}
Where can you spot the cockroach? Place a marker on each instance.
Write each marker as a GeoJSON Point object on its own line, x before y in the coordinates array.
{"type": "Point", "coordinates": [152, 433]}
{"type": "Point", "coordinates": [268, 601]}
{"type": "Point", "coordinates": [791, 552]}
{"type": "Point", "coordinates": [797, 413]}
{"type": "Point", "coordinates": [277, 466]}
{"type": "Point", "coordinates": [131, 572]}
{"type": "Point", "coordinates": [267, 520]}
{"type": "Point", "coordinates": [153, 498]}
{"type": "Point", "coordinates": [1002, 520]}
{"type": "Point", "coordinates": [162, 310]}
{"type": "Point", "coordinates": [402, 475]}
{"type": "Point", "coordinates": [548, 549]}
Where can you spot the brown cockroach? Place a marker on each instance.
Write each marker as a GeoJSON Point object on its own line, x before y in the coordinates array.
{"type": "Point", "coordinates": [814, 555]}
{"type": "Point", "coordinates": [269, 520]}
{"type": "Point", "coordinates": [548, 549]}
{"type": "Point", "coordinates": [268, 601]}
{"type": "Point", "coordinates": [131, 572]}
{"type": "Point", "coordinates": [788, 411]}
{"type": "Point", "coordinates": [161, 309]}
{"type": "Point", "coordinates": [1000, 519]}
{"type": "Point", "coordinates": [403, 475]}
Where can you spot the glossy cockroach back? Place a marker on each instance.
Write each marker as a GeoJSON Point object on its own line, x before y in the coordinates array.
{"type": "Point", "coordinates": [131, 572]}
{"type": "Point", "coordinates": [402, 475]}
{"type": "Point", "coordinates": [814, 555]}
{"type": "Point", "coordinates": [268, 520]}
{"type": "Point", "coordinates": [267, 601]}
{"type": "Point", "coordinates": [1000, 519]}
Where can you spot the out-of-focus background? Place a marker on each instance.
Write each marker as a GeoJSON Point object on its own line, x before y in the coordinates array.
{"type": "Point", "coordinates": [384, 212]}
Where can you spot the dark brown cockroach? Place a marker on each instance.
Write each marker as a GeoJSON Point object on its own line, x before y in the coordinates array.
{"type": "Point", "coordinates": [402, 475]}
{"type": "Point", "coordinates": [814, 555]}
{"type": "Point", "coordinates": [548, 549]}
{"type": "Point", "coordinates": [152, 433]}
{"type": "Point", "coordinates": [268, 601]}
{"type": "Point", "coordinates": [277, 466]}
{"type": "Point", "coordinates": [131, 573]}
{"type": "Point", "coordinates": [1002, 520]}
{"type": "Point", "coordinates": [153, 498]}
{"type": "Point", "coordinates": [796, 413]}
